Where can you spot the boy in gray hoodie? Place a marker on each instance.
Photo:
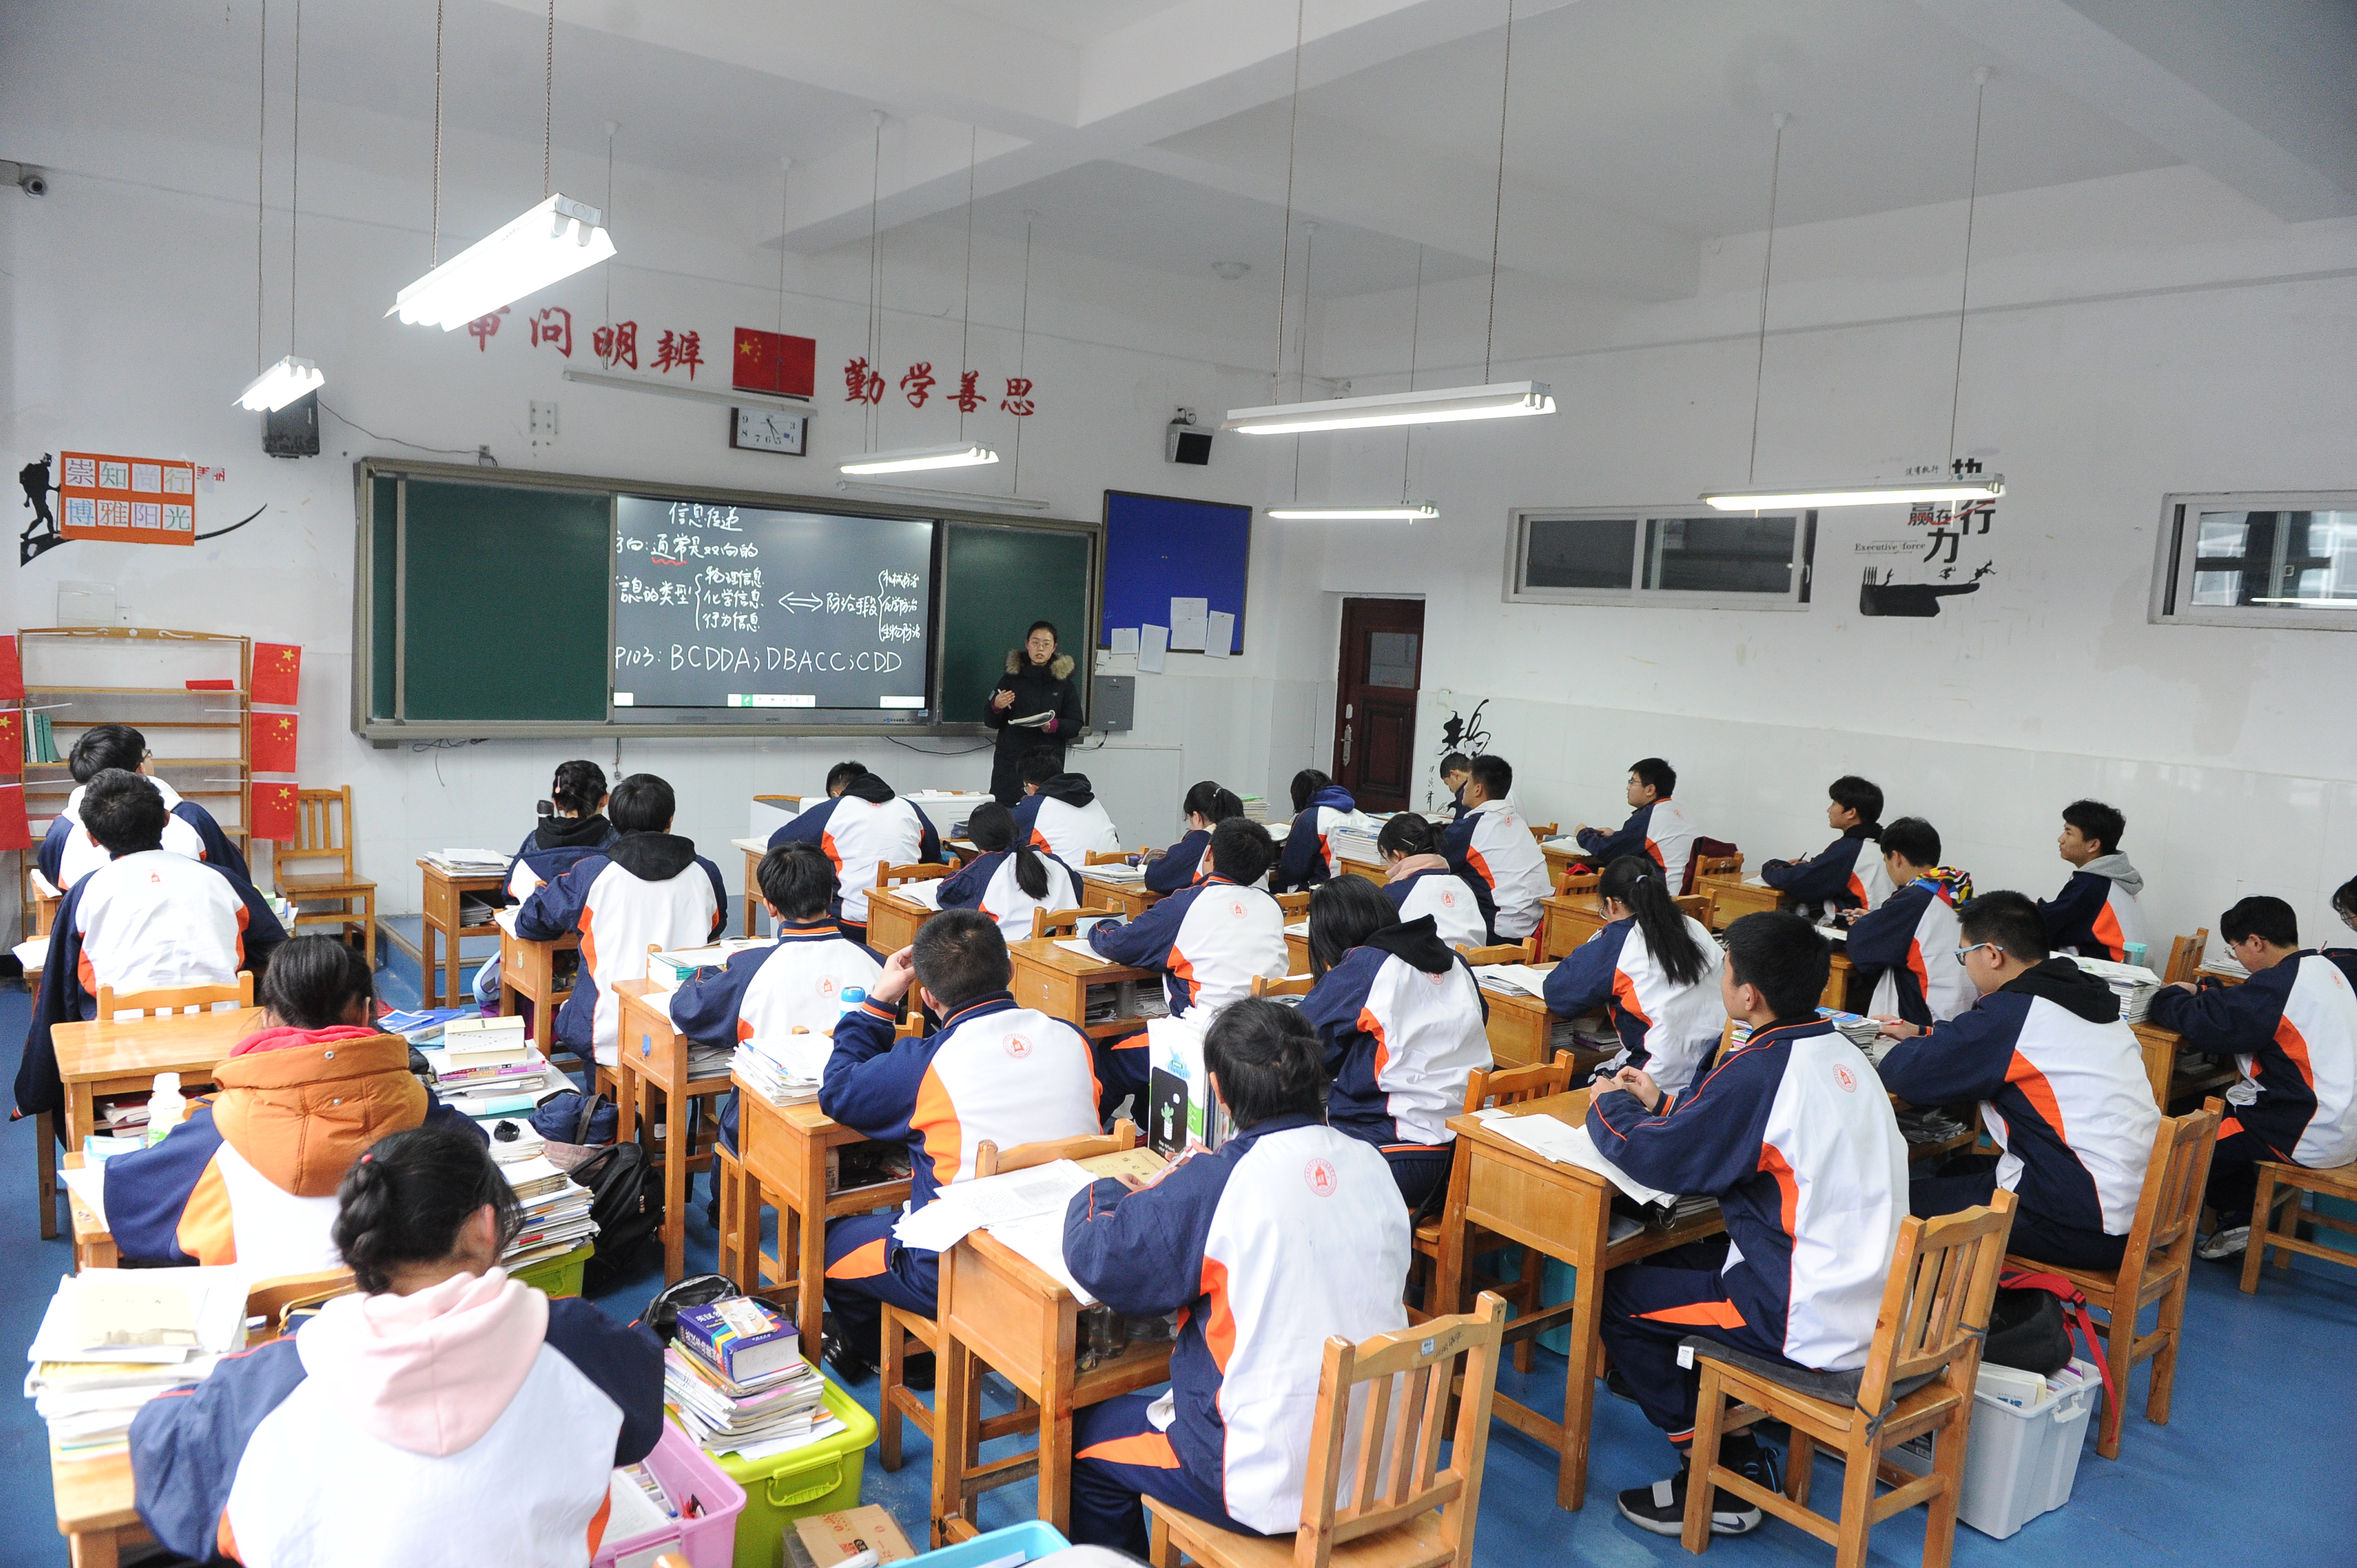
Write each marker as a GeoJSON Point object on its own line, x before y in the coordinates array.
{"type": "Point", "coordinates": [2096, 914]}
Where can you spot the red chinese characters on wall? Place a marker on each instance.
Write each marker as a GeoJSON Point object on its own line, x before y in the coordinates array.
{"type": "Point", "coordinates": [616, 344]}
{"type": "Point", "coordinates": [486, 327]}
{"type": "Point", "coordinates": [678, 351]}
{"type": "Point", "coordinates": [554, 329]}
{"type": "Point", "coordinates": [918, 383]}
{"type": "Point", "coordinates": [861, 384]}
{"type": "Point", "coordinates": [1019, 400]}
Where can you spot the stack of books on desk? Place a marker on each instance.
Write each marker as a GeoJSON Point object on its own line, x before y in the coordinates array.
{"type": "Point", "coordinates": [424, 1025]}
{"type": "Point", "coordinates": [468, 862]}
{"type": "Point", "coordinates": [673, 969]}
{"type": "Point", "coordinates": [2134, 985]}
{"type": "Point", "coordinates": [1356, 840]}
{"type": "Point", "coordinates": [555, 1213]}
{"type": "Point", "coordinates": [114, 1339]}
{"type": "Point", "coordinates": [735, 1380]}
{"type": "Point", "coordinates": [784, 1071]}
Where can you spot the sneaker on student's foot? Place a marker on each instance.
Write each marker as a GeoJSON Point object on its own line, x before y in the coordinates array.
{"type": "Point", "coordinates": [2226, 1241]}
{"type": "Point", "coordinates": [1661, 1507]}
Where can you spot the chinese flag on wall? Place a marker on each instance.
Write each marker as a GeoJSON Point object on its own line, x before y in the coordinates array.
{"type": "Point", "coordinates": [12, 745]}
{"type": "Point", "coordinates": [278, 673]}
{"type": "Point", "coordinates": [273, 743]}
{"type": "Point", "coordinates": [275, 810]}
{"type": "Point", "coordinates": [13, 833]}
{"type": "Point", "coordinates": [12, 671]}
{"type": "Point", "coordinates": [774, 362]}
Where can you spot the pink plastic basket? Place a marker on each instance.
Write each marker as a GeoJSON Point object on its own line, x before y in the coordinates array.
{"type": "Point", "coordinates": [707, 1540]}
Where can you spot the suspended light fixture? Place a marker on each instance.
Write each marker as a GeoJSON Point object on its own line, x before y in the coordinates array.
{"type": "Point", "coordinates": [908, 460]}
{"type": "Point", "coordinates": [1974, 488]}
{"type": "Point", "coordinates": [281, 384]}
{"type": "Point", "coordinates": [291, 379]}
{"type": "Point", "coordinates": [546, 244]}
{"type": "Point", "coordinates": [971, 500]}
{"type": "Point", "coordinates": [1405, 512]}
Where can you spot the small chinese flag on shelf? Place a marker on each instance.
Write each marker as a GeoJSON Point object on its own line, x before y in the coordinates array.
{"type": "Point", "coordinates": [275, 810]}
{"type": "Point", "coordinates": [12, 745]}
{"type": "Point", "coordinates": [12, 671]}
{"type": "Point", "coordinates": [273, 743]}
{"type": "Point", "coordinates": [15, 833]}
{"type": "Point", "coordinates": [774, 362]}
{"type": "Point", "coordinates": [278, 673]}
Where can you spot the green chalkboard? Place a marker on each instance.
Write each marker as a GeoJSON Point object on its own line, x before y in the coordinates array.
{"type": "Point", "coordinates": [997, 581]}
{"type": "Point", "coordinates": [503, 602]}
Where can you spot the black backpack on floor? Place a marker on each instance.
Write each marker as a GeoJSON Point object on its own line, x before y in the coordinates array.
{"type": "Point", "coordinates": [628, 1205]}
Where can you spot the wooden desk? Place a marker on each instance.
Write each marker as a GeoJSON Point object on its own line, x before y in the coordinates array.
{"type": "Point", "coordinates": [93, 1244]}
{"type": "Point", "coordinates": [1732, 898]}
{"type": "Point", "coordinates": [965, 851]}
{"type": "Point", "coordinates": [1566, 921]}
{"type": "Point", "coordinates": [894, 919]}
{"type": "Point", "coordinates": [651, 1056]}
{"type": "Point", "coordinates": [1297, 948]}
{"type": "Point", "coordinates": [1374, 873]}
{"type": "Point", "coordinates": [1520, 1030]}
{"type": "Point", "coordinates": [108, 1057]}
{"type": "Point", "coordinates": [445, 894]}
{"type": "Point", "coordinates": [1559, 861]}
{"type": "Point", "coordinates": [1130, 899]}
{"type": "Point", "coordinates": [1565, 1212]}
{"type": "Point", "coordinates": [1056, 980]}
{"type": "Point", "coordinates": [94, 1508]}
{"type": "Point", "coordinates": [783, 1150]}
{"type": "Point", "coordinates": [528, 970]}
{"type": "Point", "coordinates": [754, 850]}
{"type": "Point", "coordinates": [2160, 1051]}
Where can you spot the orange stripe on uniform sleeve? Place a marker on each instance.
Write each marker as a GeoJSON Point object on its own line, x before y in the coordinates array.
{"type": "Point", "coordinates": [935, 1120]}
{"type": "Point", "coordinates": [1772, 1161]}
{"type": "Point", "coordinates": [597, 1520]}
{"type": "Point", "coordinates": [1218, 1321]}
{"type": "Point", "coordinates": [1624, 997]}
{"type": "Point", "coordinates": [2295, 1045]}
{"type": "Point", "coordinates": [1719, 1313]}
{"type": "Point", "coordinates": [2037, 1091]}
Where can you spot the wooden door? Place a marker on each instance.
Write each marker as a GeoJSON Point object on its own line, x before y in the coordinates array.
{"type": "Point", "coordinates": [1375, 704]}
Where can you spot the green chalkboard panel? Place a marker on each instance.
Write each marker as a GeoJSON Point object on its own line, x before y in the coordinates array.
{"type": "Point", "coordinates": [384, 599]}
{"type": "Point", "coordinates": [996, 582]}
{"type": "Point", "coordinates": [503, 602]}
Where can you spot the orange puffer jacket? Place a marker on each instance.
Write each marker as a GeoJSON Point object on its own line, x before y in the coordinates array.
{"type": "Point", "coordinates": [302, 1104]}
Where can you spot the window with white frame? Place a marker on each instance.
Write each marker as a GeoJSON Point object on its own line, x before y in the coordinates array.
{"type": "Point", "coordinates": [2256, 558]}
{"type": "Point", "coordinates": [1667, 557]}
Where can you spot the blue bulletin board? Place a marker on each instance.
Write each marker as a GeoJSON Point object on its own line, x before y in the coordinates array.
{"type": "Point", "coordinates": [1159, 548]}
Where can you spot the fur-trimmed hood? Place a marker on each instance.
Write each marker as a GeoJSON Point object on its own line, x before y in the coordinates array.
{"type": "Point", "coordinates": [1019, 661]}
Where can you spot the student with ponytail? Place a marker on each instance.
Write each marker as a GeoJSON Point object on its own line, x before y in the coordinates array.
{"type": "Point", "coordinates": [1010, 878]}
{"type": "Point", "coordinates": [447, 1413]}
{"type": "Point", "coordinates": [1421, 880]}
{"type": "Point", "coordinates": [1189, 861]}
{"type": "Point", "coordinates": [1655, 969]}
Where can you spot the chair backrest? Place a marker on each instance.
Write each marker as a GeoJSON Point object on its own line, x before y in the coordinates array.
{"type": "Point", "coordinates": [270, 1300]}
{"type": "Point", "coordinates": [1291, 986]}
{"type": "Point", "coordinates": [1725, 1043]}
{"type": "Point", "coordinates": [2185, 956]}
{"type": "Point", "coordinates": [1935, 1306]}
{"type": "Point", "coordinates": [990, 1160]}
{"type": "Point", "coordinates": [1514, 1085]}
{"type": "Point", "coordinates": [1393, 1447]}
{"type": "Point", "coordinates": [323, 830]}
{"type": "Point", "coordinates": [1063, 923]}
{"type": "Point", "coordinates": [180, 998]}
{"type": "Point", "coordinates": [1523, 951]}
{"type": "Point", "coordinates": [1696, 905]}
{"type": "Point", "coordinates": [1718, 866]}
{"type": "Point", "coordinates": [2169, 1208]}
{"type": "Point", "coordinates": [1294, 904]}
{"type": "Point", "coordinates": [1574, 883]}
{"type": "Point", "coordinates": [1105, 857]}
{"type": "Point", "coordinates": [1541, 830]}
{"type": "Point", "coordinates": [915, 870]}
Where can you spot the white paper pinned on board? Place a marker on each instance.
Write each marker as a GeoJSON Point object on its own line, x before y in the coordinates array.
{"type": "Point", "coordinates": [1152, 640]}
{"type": "Point", "coordinates": [1219, 634]}
{"type": "Point", "coordinates": [1189, 619]}
{"type": "Point", "coordinates": [1124, 640]}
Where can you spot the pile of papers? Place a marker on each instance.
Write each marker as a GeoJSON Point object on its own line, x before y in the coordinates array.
{"type": "Point", "coordinates": [1355, 840]}
{"type": "Point", "coordinates": [2133, 984]}
{"type": "Point", "coordinates": [783, 1070]}
{"type": "Point", "coordinates": [114, 1339]}
{"type": "Point", "coordinates": [1567, 1144]}
{"type": "Point", "coordinates": [1024, 1210]}
{"type": "Point", "coordinates": [1513, 979]}
{"type": "Point", "coordinates": [1115, 874]}
{"type": "Point", "coordinates": [555, 1213]}
{"type": "Point", "coordinates": [468, 862]}
{"type": "Point", "coordinates": [756, 1420]}
{"type": "Point", "coordinates": [423, 1026]}
{"type": "Point", "coordinates": [709, 1062]}
{"type": "Point", "coordinates": [673, 969]}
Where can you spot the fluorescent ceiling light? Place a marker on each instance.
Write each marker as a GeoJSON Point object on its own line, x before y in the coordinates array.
{"type": "Point", "coordinates": [977, 500]}
{"type": "Point", "coordinates": [1875, 494]}
{"type": "Point", "coordinates": [553, 240]}
{"type": "Point", "coordinates": [1406, 511]}
{"type": "Point", "coordinates": [738, 396]}
{"type": "Point", "coordinates": [281, 384]}
{"type": "Point", "coordinates": [1499, 400]}
{"type": "Point", "coordinates": [908, 460]}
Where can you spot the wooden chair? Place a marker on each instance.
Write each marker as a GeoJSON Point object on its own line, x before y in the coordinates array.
{"type": "Point", "coordinates": [161, 1004]}
{"type": "Point", "coordinates": [324, 832]}
{"type": "Point", "coordinates": [1291, 986]}
{"type": "Point", "coordinates": [1572, 884]}
{"type": "Point", "coordinates": [1542, 830]}
{"type": "Point", "coordinates": [1405, 1511]}
{"type": "Point", "coordinates": [2156, 1267]}
{"type": "Point", "coordinates": [2281, 1183]}
{"type": "Point", "coordinates": [895, 1400]}
{"type": "Point", "coordinates": [1718, 866]}
{"type": "Point", "coordinates": [1696, 905]}
{"type": "Point", "coordinates": [1295, 905]}
{"type": "Point", "coordinates": [1104, 857]}
{"type": "Point", "coordinates": [1503, 1086]}
{"type": "Point", "coordinates": [915, 870]}
{"type": "Point", "coordinates": [1918, 1377]}
{"type": "Point", "coordinates": [1523, 951]}
{"type": "Point", "coordinates": [2185, 954]}
{"type": "Point", "coordinates": [1063, 923]}
{"type": "Point", "coordinates": [272, 1300]}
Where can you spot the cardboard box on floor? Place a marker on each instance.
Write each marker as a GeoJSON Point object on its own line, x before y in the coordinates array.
{"type": "Point", "coordinates": [831, 1538]}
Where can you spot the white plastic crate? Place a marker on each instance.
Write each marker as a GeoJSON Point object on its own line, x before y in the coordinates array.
{"type": "Point", "coordinates": [2019, 1463]}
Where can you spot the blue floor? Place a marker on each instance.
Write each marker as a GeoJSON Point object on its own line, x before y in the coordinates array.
{"type": "Point", "coordinates": [2263, 1438]}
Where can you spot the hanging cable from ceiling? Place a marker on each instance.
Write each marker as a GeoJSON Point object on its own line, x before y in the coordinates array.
{"type": "Point", "coordinates": [261, 165]}
{"type": "Point", "coordinates": [1292, 129]}
{"type": "Point", "coordinates": [1498, 205]}
{"type": "Point", "coordinates": [871, 412]}
{"type": "Point", "coordinates": [437, 132]}
{"type": "Point", "coordinates": [1022, 345]}
{"type": "Point", "coordinates": [1301, 361]}
{"type": "Point", "coordinates": [1766, 270]}
{"type": "Point", "coordinates": [547, 101]}
{"type": "Point", "coordinates": [1981, 75]}
{"type": "Point", "coordinates": [1414, 337]}
{"type": "Point", "coordinates": [294, 185]}
{"type": "Point", "coordinates": [965, 331]}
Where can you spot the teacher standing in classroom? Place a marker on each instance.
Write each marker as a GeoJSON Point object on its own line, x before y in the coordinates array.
{"type": "Point", "coordinates": [1036, 704]}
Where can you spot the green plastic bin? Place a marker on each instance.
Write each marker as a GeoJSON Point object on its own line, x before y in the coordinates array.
{"type": "Point", "coordinates": [820, 1477]}
{"type": "Point", "coordinates": [560, 1275]}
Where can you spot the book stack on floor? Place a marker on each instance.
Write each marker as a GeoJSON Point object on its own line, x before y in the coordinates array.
{"type": "Point", "coordinates": [735, 1380]}
{"type": "Point", "coordinates": [114, 1339]}
{"type": "Point", "coordinates": [555, 1213]}
{"type": "Point", "coordinates": [783, 1069]}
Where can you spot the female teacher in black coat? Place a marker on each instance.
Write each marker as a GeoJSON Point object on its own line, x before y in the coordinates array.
{"type": "Point", "coordinates": [1038, 680]}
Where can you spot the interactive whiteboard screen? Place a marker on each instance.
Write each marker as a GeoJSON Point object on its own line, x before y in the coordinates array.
{"type": "Point", "coordinates": [720, 607]}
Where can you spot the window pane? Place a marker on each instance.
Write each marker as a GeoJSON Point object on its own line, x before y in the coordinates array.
{"type": "Point", "coordinates": [1391, 659]}
{"type": "Point", "coordinates": [1579, 553]}
{"type": "Point", "coordinates": [1720, 554]}
{"type": "Point", "coordinates": [2276, 560]}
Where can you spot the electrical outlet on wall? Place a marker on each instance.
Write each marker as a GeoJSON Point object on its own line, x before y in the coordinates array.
{"type": "Point", "coordinates": [542, 424]}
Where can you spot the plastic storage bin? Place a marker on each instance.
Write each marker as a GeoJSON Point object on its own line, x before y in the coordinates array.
{"type": "Point", "coordinates": [708, 1541]}
{"type": "Point", "coordinates": [2020, 1463]}
{"type": "Point", "coordinates": [818, 1477]}
{"type": "Point", "coordinates": [1032, 1540]}
{"type": "Point", "coordinates": [560, 1275]}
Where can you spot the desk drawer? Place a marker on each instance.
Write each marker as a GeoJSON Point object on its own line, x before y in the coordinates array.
{"type": "Point", "coordinates": [1513, 1199]}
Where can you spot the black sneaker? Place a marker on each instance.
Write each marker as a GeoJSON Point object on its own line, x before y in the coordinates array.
{"type": "Point", "coordinates": [917, 1371]}
{"type": "Point", "coordinates": [848, 1364]}
{"type": "Point", "coordinates": [1661, 1507]}
{"type": "Point", "coordinates": [1617, 1384]}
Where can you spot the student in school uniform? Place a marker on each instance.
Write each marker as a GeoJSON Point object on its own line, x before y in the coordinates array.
{"type": "Point", "coordinates": [2096, 915]}
{"type": "Point", "coordinates": [1911, 942]}
{"type": "Point", "coordinates": [2293, 1026]}
{"type": "Point", "coordinates": [1797, 1142]}
{"type": "Point", "coordinates": [1419, 880]}
{"type": "Point", "coordinates": [2063, 1089]}
{"type": "Point", "coordinates": [1655, 969]}
{"type": "Point", "coordinates": [1010, 877]}
{"type": "Point", "coordinates": [1059, 812]}
{"type": "Point", "coordinates": [1208, 941]}
{"type": "Point", "coordinates": [1455, 769]}
{"type": "Point", "coordinates": [1186, 863]}
{"type": "Point", "coordinates": [1290, 1233]}
{"type": "Point", "coordinates": [148, 919]}
{"type": "Point", "coordinates": [575, 828]}
{"type": "Point", "coordinates": [1657, 828]}
{"type": "Point", "coordinates": [1847, 873]}
{"type": "Point", "coordinates": [2344, 904]}
{"type": "Point", "coordinates": [648, 887]}
{"type": "Point", "coordinates": [250, 1177]}
{"type": "Point", "coordinates": [861, 825]}
{"type": "Point", "coordinates": [1401, 1025]}
{"type": "Point", "coordinates": [993, 1070]}
{"type": "Point", "coordinates": [68, 853]}
{"type": "Point", "coordinates": [447, 1413]}
{"type": "Point", "coordinates": [1319, 805]}
{"type": "Point", "coordinates": [1495, 844]}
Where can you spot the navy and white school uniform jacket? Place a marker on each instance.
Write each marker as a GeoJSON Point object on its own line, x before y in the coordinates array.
{"type": "Point", "coordinates": [1308, 858]}
{"type": "Point", "coordinates": [1459, 904]}
{"type": "Point", "coordinates": [644, 888]}
{"type": "Point", "coordinates": [475, 1421]}
{"type": "Point", "coordinates": [1661, 832]}
{"type": "Point", "coordinates": [1669, 1030]}
{"type": "Point", "coordinates": [2293, 1027]}
{"type": "Point", "coordinates": [767, 992]}
{"type": "Point", "coordinates": [1848, 873]}
{"type": "Point", "coordinates": [2063, 1089]}
{"type": "Point", "coordinates": [556, 845]}
{"type": "Point", "coordinates": [1457, 807]}
{"type": "Point", "coordinates": [1286, 1235]}
{"type": "Point", "coordinates": [1404, 1025]}
{"type": "Point", "coordinates": [2096, 915]}
{"type": "Point", "coordinates": [1209, 941]}
{"type": "Point", "coordinates": [864, 827]}
{"type": "Point", "coordinates": [992, 1072]}
{"type": "Point", "coordinates": [1912, 939]}
{"type": "Point", "coordinates": [68, 853]}
{"type": "Point", "coordinates": [150, 920]}
{"type": "Point", "coordinates": [1183, 864]}
{"type": "Point", "coordinates": [989, 884]}
{"type": "Point", "coordinates": [1795, 1136]}
{"type": "Point", "coordinates": [1068, 820]}
{"type": "Point", "coordinates": [2345, 959]}
{"type": "Point", "coordinates": [1493, 839]}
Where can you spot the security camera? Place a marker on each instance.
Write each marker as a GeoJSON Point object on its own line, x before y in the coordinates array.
{"type": "Point", "coordinates": [25, 177]}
